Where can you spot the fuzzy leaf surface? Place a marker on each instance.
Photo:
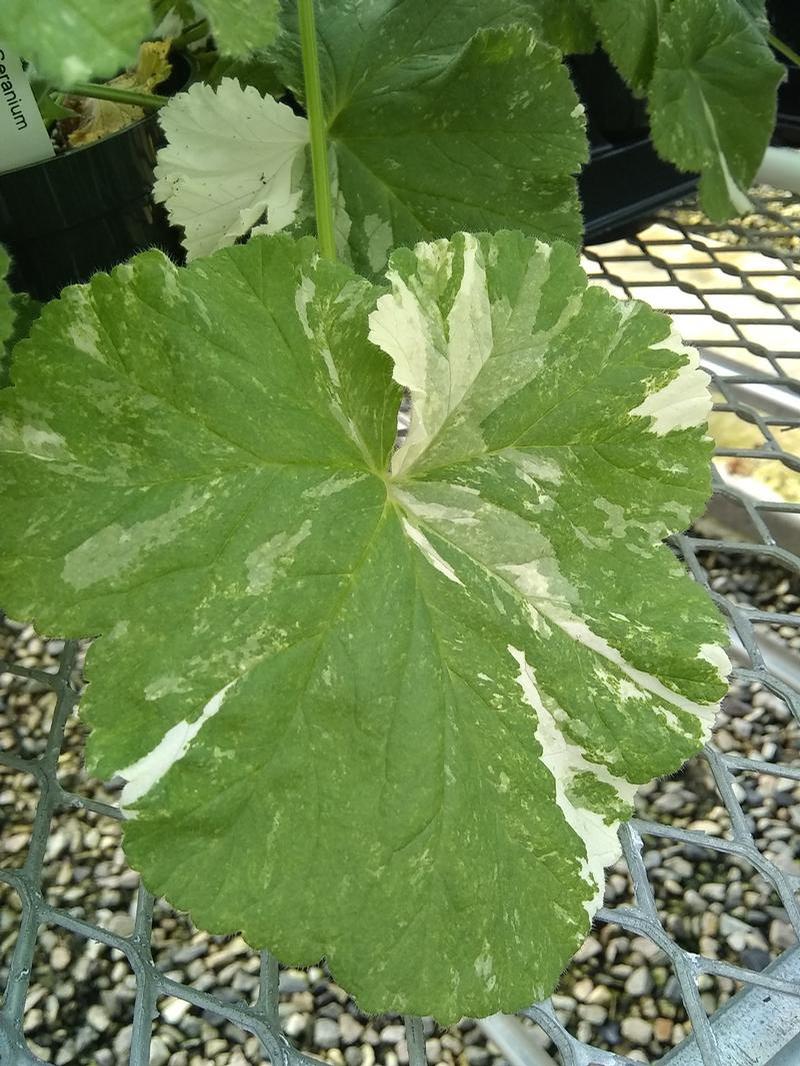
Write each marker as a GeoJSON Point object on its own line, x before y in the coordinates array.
{"type": "Point", "coordinates": [435, 125]}
{"type": "Point", "coordinates": [75, 40]}
{"type": "Point", "coordinates": [713, 98]}
{"type": "Point", "coordinates": [406, 700]}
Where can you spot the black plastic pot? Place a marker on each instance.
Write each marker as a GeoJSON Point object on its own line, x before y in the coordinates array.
{"type": "Point", "coordinates": [625, 180]}
{"type": "Point", "coordinates": [784, 18]}
{"type": "Point", "coordinates": [787, 129]}
{"type": "Point", "coordinates": [613, 113]}
{"type": "Point", "coordinates": [89, 209]}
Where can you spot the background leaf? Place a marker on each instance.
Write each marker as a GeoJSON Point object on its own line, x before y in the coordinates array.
{"type": "Point", "coordinates": [493, 141]}
{"type": "Point", "coordinates": [414, 683]}
{"type": "Point", "coordinates": [713, 99]}
{"type": "Point", "coordinates": [17, 314]}
{"type": "Point", "coordinates": [242, 26]}
{"type": "Point", "coordinates": [629, 31]}
{"type": "Point", "coordinates": [568, 24]}
{"type": "Point", "coordinates": [757, 10]}
{"type": "Point", "coordinates": [428, 134]}
{"type": "Point", "coordinates": [6, 312]}
{"type": "Point", "coordinates": [75, 40]}
{"type": "Point", "coordinates": [233, 158]}
{"type": "Point", "coordinates": [256, 70]}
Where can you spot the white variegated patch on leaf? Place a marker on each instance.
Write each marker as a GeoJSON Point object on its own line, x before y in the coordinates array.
{"type": "Point", "coordinates": [405, 697]}
{"type": "Point", "coordinates": [234, 157]}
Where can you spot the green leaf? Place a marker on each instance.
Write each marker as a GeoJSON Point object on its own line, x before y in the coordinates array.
{"type": "Point", "coordinates": [367, 41]}
{"type": "Point", "coordinates": [73, 40]}
{"type": "Point", "coordinates": [242, 26]}
{"type": "Point", "coordinates": [757, 10]}
{"type": "Point", "coordinates": [568, 24]}
{"type": "Point", "coordinates": [492, 139]}
{"type": "Point", "coordinates": [713, 99]}
{"type": "Point", "coordinates": [427, 135]}
{"type": "Point", "coordinates": [629, 33]}
{"type": "Point", "coordinates": [256, 70]}
{"type": "Point", "coordinates": [6, 312]}
{"type": "Point", "coordinates": [18, 311]}
{"type": "Point", "coordinates": [50, 103]}
{"type": "Point", "coordinates": [26, 311]}
{"type": "Point", "coordinates": [391, 716]}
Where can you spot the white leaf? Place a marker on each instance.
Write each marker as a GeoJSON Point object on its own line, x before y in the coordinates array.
{"type": "Point", "coordinates": [233, 156]}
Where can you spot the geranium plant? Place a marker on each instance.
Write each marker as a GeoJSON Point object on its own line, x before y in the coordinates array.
{"type": "Point", "coordinates": [387, 703]}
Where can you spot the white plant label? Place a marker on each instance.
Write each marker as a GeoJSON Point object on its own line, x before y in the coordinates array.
{"type": "Point", "coordinates": [23, 135]}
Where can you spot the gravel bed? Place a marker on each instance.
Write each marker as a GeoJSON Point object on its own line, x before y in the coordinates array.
{"type": "Point", "coordinates": [619, 992]}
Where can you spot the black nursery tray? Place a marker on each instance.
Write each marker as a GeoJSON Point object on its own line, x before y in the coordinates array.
{"type": "Point", "coordinates": [625, 182]}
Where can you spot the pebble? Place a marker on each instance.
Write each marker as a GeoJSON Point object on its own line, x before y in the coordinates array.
{"type": "Point", "coordinates": [782, 935]}
{"type": "Point", "coordinates": [326, 1033]}
{"type": "Point", "coordinates": [291, 981]}
{"type": "Point", "coordinates": [392, 1034]}
{"type": "Point", "coordinates": [713, 891]}
{"type": "Point", "coordinates": [637, 1030]}
{"type": "Point", "coordinates": [640, 982]}
{"type": "Point", "coordinates": [160, 1053]}
{"type": "Point", "coordinates": [588, 950]}
{"type": "Point", "coordinates": [582, 989]}
{"type": "Point", "coordinates": [173, 1010]}
{"type": "Point", "coordinates": [681, 868]}
{"type": "Point", "coordinates": [477, 1055]}
{"type": "Point", "coordinates": [592, 1013]}
{"type": "Point", "coordinates": [662, 1030]}
{"type": "Point", "coordinates": [350, 1029]}
{"type": "Point", "coordinates": [60, 958]}
{"type": "Point", "coordinates": [296, 1025]}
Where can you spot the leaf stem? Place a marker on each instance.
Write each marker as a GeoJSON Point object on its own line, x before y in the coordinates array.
{"type": "Point", "coordinates": [117, 96]}
{"type": "Point", "coordinates": [323, 202]}
{"type": "Point", "coordinates": [784, 49]}
{"type": "Point", "coordinates": [195, 32]}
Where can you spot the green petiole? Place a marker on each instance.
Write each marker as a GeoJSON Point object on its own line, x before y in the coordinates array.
{"type": "Point", "coordinates": [117, 96]}
{"type": "Point", "coordinates": [323, 202]}
{"type": "Point", "coordinates": [784, 49]}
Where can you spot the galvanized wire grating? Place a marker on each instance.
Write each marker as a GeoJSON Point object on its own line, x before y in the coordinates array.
{"type": "Point", "coordinates": [734, 292]}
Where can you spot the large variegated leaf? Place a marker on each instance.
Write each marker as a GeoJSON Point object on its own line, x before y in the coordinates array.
{"type": "Point", "coordinates": [387, 710]}
{"type": "Point", "coordinates": [713, 98]}
{"type": "Point", "coordinates": [73, 40]}
{"type": "Point", "coordinates": [433, 128]}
